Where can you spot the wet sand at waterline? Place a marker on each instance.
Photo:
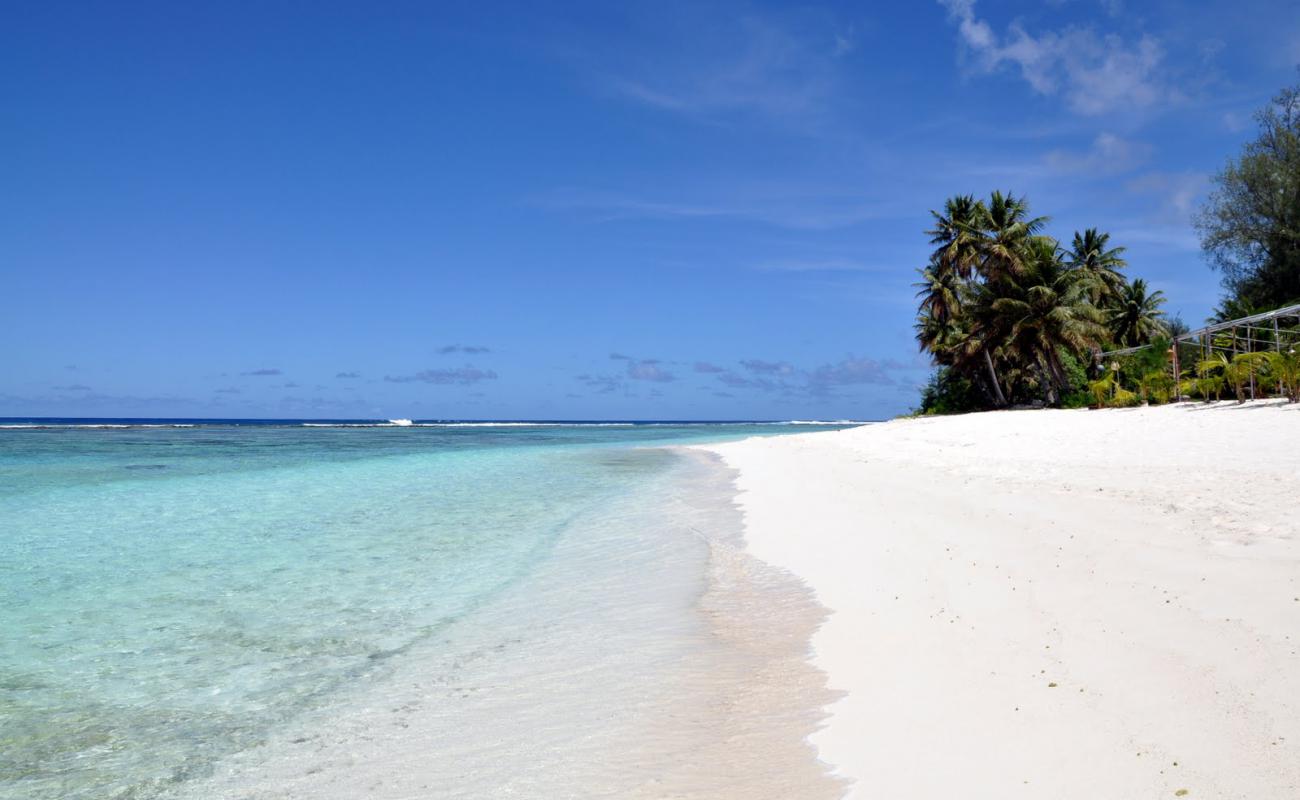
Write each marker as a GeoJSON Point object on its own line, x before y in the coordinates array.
{"type": "Point", "coordinates": [649, 656]}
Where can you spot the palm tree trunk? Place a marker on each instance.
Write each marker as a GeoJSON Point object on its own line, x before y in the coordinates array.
{"type": "Point", "coordinates": [993, 377]}
{"type": "Point", "coordinates": [1048, 380]}
{"type": "Point", "coordinates": [1057, 373]}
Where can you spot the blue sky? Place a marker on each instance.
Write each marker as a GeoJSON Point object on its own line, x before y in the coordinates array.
{"type": "Point", "coordinates": [604, 210]}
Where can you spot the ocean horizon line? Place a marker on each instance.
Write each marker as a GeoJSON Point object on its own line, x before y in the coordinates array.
{"type": "Point", "coordinates": [49, 422]}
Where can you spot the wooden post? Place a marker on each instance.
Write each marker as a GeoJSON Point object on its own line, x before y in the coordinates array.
{"type": "Point", "coordinates": [1277, 342]}
{"type": "Point", "coordinates": [1178, 385]}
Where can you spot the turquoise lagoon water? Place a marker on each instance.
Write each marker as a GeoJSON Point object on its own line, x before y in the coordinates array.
{"type": "Point", "coordinates": [172, 596]}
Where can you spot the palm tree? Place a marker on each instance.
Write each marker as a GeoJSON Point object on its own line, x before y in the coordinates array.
{"type": "Point", "coordinates": [1134, 318]}
{"type": "Point", "coordinates": [1099, 266]}
{"type": "Point", "coordinates": [939, 291]}
{"type": "Point", "coordinates": [941, 328]}
{"type": "Point", "coordinates": [1209, 376]}
{"type": "Point", "coordinates": [1041, 311]}
{"type": "Point", "coordinates": [955, 235]}
{"type": "Point", "coordinates": [983, 244]}
{"type": "Point", "coordinates": [979, 348]}
{"type": "Point", "coordinates": [1285, 365]}
{"type": "Point", "coordinates": [938, 337]}
{"type": "Point", "coordinates": [1233, 308]}
{"type": "Point", "coordinates": [1008, 229]}
{"type": "Point", "coordinates": [1001, 304]}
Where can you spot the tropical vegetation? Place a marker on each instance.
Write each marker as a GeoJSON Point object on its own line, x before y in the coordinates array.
{"type": "Point", "coordinates": [1010, 316]}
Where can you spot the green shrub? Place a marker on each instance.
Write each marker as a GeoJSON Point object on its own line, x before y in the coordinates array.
{"type": "Point", "coordinates": [949, 393]}
{"type": "Point", "coordinates": [1136, 366]}
{"type": "Point", "coordinates": [1105, 394]}
{"type": "Point", "coordinates": [1126, 399]}
{"type": "Point", "coordinates": [1076, 372]}
{"type": "Point", "coordinates": [1156, 387]}
{"type": "Point", "coordinates": [1077, 399]}
{"type": "Point", "coordinates": [1101, 390]}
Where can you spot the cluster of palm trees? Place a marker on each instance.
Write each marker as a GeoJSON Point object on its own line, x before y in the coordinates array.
{"type": "Point", "coordinates": [1010, 310]}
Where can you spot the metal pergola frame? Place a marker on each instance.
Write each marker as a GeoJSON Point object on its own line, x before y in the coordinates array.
{"type": "Point", "coordinates": [1251, 334]}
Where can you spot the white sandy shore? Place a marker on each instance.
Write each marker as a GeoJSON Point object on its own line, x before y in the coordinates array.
{"type": "Point", "coordinates": [1049, 604]}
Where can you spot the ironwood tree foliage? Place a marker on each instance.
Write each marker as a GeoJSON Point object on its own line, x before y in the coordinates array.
{"type": "Point", "coordinates": [1250, 224]}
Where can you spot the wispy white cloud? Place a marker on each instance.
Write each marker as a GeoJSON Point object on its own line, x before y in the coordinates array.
{"type": "Point", "coordinates": [852, 371]}
{"type": "Point", "coordinates": [1290, 52]}
{"type": "Point", "coordinates": [845, 41]}
{"type": "Point", "coordinates": [648, 370]}
{"type": "Point", "coordinates": [1168, 200]}
{"type": "Point", "coordinates": [1234, 122]}
{"type": "Point", "coordinates": [789, 209]}
{"type": "Point", "coordinates": [82, 398]}
{"type": "Point", "coordinates": [1096, 73]}
{"type": "Point", "coordinates": [821, 265]}
{"type": "Point", "coordinates": [644, 369]}
{"type": "Point", "coordinates": [1113, 7]}
{"type": "Point", "coordinates": [634, 369]}
{"type": "Point", "coordinates": [1108, 155]}
{"type": "Point", "coordinates": [468, 349]}
{"type": "Point", "coordinates": [1175, 192]}
{"type": "Point", "coordinates": [752, 65]}
{"type": "Point", "coordinates": [784, 378]}
{"type": "Point", "coordinates": [761, 367]}
{"type": "Point", "coordinates": [601, 384]}
{"type": "Point", "coordinates": [1167, 237]}
{"type": "Point", "coordinates": [463, 375]}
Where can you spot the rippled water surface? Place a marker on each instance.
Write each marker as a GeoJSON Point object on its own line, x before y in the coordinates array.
{"type": "Point", "coordinates": [170, 596]}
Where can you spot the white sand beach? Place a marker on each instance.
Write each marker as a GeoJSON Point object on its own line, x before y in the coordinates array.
{"type": "Point", "coordinates": [1048, 604]}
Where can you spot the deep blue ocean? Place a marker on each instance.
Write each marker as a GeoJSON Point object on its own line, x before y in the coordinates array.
{"type": "Point", "coordinates": [171, 591]}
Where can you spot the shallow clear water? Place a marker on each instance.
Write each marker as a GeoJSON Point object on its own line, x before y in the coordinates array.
{"type": "Point", "coordinates": [172, 596]}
